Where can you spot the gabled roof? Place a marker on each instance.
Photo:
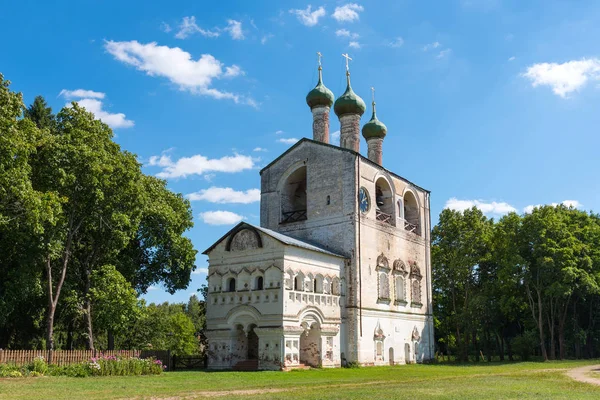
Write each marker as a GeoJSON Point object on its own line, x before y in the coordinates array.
{"type": "Point", "coordinates": [365, 159]}
{"type": "Point", "coordinates": [287, 240]}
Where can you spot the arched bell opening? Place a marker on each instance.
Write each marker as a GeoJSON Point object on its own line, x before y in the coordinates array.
{"type": "Point", "coordinates": [412, 218]}
{"type": "Point", "coordinates": [293, 197]}
{"type": "Point", "coordinates": [384, 202]}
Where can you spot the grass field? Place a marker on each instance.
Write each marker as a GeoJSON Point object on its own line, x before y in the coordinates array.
{"type": "Point", "coordinates": [483, 381]}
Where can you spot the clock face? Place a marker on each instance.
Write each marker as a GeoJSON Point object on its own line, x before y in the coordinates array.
{"type": "Point", "coordinates": [363, 200]}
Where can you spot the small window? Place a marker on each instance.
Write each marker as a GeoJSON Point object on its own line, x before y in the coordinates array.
{"type": "Point", "coordinates": [315, 285]}
{"type": "Point", "coordinates": [231, 285]}
{"type": "Point", "coordinates": [328, 200]}
{"type": "Point", "coordinates": [298, 283]}
{"type": "Point", "coordinates": [259, 283]}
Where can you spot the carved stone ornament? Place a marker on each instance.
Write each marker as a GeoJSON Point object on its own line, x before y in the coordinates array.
{"type": "Point", "coordinates": [382, 262]}
{"type": "Point", "coordinates": [244, 240]}
{"type": "Point", "coordinates": [415, 272]}
{"type": "Point", "coordinates": [415, 334]}
{"type": "Point", "coordinates": [399, 266]}
{"type": "Point", "coordinates": [378, 334]}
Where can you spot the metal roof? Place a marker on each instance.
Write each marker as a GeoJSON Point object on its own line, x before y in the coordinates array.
{"type": "Point", "coordinates": [279, 237]}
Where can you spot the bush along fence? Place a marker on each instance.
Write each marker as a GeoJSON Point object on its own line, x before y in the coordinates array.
{"type": "Point", "coordinates": [97, 366]}
{"type": "Point", "coordinates": [68, 357]}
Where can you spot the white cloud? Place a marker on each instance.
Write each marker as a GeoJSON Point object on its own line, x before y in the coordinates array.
{"type": "Point", "coordinates": [566, 203]}
{"type": "Point", "coordinates": [566, 77]}
{"type": "Point", "coordinates": [485, 207]}
{"type": "Point", "coordinates": [259, 149]}
{"type": "Point", "coordinates": [199, 165]}
{"type": "Point", "coordinates": [89, 100]}
{"type": "Point", "coordinates": [220, 217]}
{"type": "Point", "coordinates": [165, 27]}
{"type": "Point", "coordinates": [235, 29]}
{"type": "Point", "coordinates": [430, 46]}
{"type": "Point", "coordinates": [226, 195]}
{"type": "Point", "coordinates": [152, 288]}
{"type": "Point", "coordinates": [233, 71]}
{"type": "Point", "coordinates": [346, 33]}
{"type": "Point", "coordinates": [199, 271]}
{"type": "Point", "coordinates": [335, 137]}
{"type": "Point", "coordinates": [115, 121]}
{"type": "Point", "coordinates": [81, 93]}
{"type": "Point", "coordinates": [513, 58]}
{"type": "Point", "coordinates": [178, 66]}
{"type": "Point", "coordinates": [398, 42]}
{"type": "Point", "coordinates": [266, 38]}
{"type": "Point", "coordinates": [354, 45]}
{"type": "Point", "coordinates": [347, 13]}
{"type": "Point", "coordinates": [308, 18]}
{"type": "Point", "coordinates": [279, 132]}
{"type": "Point", "coordinates": [443, 54]}
{"type": "Point", "coordinates": [188, 27]}
{"type": "Point", "coordinates": [287, 140]}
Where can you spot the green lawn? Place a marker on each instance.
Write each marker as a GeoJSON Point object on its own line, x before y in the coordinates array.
{"type": "Point", "coordinates": [484, 381]}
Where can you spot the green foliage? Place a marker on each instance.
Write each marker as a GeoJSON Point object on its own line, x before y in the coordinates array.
{"type": "Point", "coordinates": [40, 114]}
{"type": "Point", "coordinates": [114, 301]}
{"type": "Point", "coordinates": [524, 344]}
{"type": "Point", "coordinates": [71, 202]}
{"type": "Point", "coordinates": [163, 327]}
{"type": "Point", "coordinates": [496, 283]}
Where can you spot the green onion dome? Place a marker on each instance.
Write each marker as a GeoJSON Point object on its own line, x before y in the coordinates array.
{"type": "Point", "coordinates": [374, 128]}
{"type": "Point", "coordinates": [349, 102]}
{"type": "Point", "coordinates": [320, 95]}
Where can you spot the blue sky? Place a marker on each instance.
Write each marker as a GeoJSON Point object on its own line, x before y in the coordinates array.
{"type": "Point", "coordinates": [491, 103]}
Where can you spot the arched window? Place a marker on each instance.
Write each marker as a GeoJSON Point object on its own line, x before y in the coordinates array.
{"type": "Point", "coordinates": [299, 283]}
{"type": "Point", "coordinates": [399, 288]}
{"type": "Point", "coordinates": [259, 283]}
{"type": "Point", "coordinates": [231, 285]}
{"type": "Point", "coordinates": [384, 210]}
{"type": "Point", "coordinates": [293, 197]}
{"type": "Point", "coordinates": [384, 286]}
{"type": "Point", "coordinates": [336, 288]}
{"type": "Point", "coordinates": [416, 291]}
{"type": "Point", "coordinates": [318, 284]}
{"type": "Point", "coordinates": [412, 219]}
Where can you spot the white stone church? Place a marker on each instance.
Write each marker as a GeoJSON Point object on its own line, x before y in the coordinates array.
{"type": "Point", "coordinates": [339, 269]}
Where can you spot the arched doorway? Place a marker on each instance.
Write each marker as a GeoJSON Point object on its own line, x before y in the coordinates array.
{"type": "Point", "coordinates": [407, 353]}
{"type": "Point", "coordinates": [391, 355]}
{"type": "Point", "coordinates": [310, 345]}
{"type": "Point", "coordinates": [252, 343]}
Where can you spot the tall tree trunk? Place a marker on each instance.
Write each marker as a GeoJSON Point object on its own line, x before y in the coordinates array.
{"type": "Point", "coordinates": [111, 340]}
{"type": "Point", "coordinates": [551, 329]}
{"type": "Point", "coordinates": [561, 327]}
{"type": "Point", "coordinates": [70, 335]}
{"type": "Point", "coordinates": [54, 294]}
{"type": "Point", "coordinates": [540, 322]}
{"type": "Point", "coordinates": [87, 311]}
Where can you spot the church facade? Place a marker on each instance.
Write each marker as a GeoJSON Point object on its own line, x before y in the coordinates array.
{"type": "Point", "coordinates": [339, 269]}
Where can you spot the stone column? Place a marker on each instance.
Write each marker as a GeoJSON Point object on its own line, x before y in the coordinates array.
{"type": "Point", "coordinates": [321, 123]}
{"type": "Point", "coordinates": [349, 132]}
{"type": "Point", "coordinates": [375, 152]}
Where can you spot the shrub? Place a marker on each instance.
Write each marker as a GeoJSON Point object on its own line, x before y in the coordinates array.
{"type": "Point", "coordinates": [101, 366]}
{"type": "Point", "coordinates": [523, 345]}
{"type": "Point", "coordinates": [39, 366]}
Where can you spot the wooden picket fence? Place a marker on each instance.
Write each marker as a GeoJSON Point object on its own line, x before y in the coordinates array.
{"type": "Point", "coordinates": [64, 357]}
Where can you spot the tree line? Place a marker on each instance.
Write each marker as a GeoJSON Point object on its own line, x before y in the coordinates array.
{"type": "Point", "coordinates": [520, 286]}
{"type": "Point", "coordinates": [83, 232]}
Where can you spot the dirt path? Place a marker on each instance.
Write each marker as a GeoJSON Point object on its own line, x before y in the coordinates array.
{"type": "Point", "coordinates": [582, 374]}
